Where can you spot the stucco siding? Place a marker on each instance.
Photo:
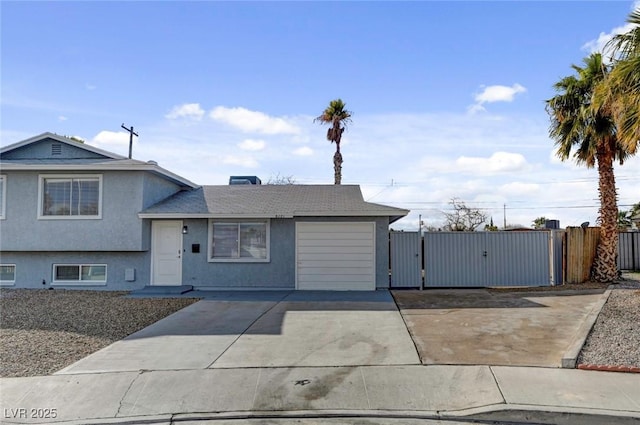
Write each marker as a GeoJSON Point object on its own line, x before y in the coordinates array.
{"type": "Point", "coordinates": [34, 268]}
{"type": "Point", "coordinates": [119, 228]}
{"type": "Point", "coordinates": [279, 272]}
{"type": "Point", "coordinates": [154, 190]}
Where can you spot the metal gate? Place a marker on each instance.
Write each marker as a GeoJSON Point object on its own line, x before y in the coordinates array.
{"type": "Point", "coordinates": [405, 249]}
{"type": "Point", "coordinates": [480, 259]}
{"type": "Point", "coordinates": [629, 251]}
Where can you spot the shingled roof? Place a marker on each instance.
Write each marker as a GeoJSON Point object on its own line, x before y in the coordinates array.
{"type": "Point", "coordinates": [270, 201]}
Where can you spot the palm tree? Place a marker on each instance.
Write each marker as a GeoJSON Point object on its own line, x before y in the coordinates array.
{"type": "Point", "coordinates": [589, 132]}
{"type": "Point", "coordinates": [338, 117]}
{"type": "Point", "coordinates": [621, 89]}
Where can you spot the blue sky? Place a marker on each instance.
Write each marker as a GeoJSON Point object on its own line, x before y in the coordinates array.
{"type": "Point", "coordinates": [447, 97]}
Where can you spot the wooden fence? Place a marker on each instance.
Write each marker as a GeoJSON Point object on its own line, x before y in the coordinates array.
{"type": "Point", "coordinates": [580, 251]}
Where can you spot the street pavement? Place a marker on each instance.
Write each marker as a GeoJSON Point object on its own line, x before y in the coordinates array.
{"type": "Point", "coordinates": [304, 357]}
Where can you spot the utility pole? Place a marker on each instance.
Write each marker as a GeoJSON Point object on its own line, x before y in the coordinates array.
{"type": "Point", "coordinates": [131, 134]}
{"type": "Point", "coordinates": [504, 206]}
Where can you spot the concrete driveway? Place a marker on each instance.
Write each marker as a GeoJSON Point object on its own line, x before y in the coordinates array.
{"type": "Point", "coordinates": [483, 327]}
{"type": "Point", "coordinates": [265, 329]}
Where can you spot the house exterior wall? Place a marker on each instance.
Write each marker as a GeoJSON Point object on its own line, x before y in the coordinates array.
{"type": "Point", "coordinates": [279, 272]}
{"type": "Point", "coordinates": [124, 194]}
{"type": "Point", "coordinates": [154, 190]}
{"type": "Point", "coordinates": [34, 268]}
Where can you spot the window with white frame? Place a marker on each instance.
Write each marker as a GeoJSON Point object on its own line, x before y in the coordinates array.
{"type": "Point", "coordinates": [77, 196]}
{"type": "Point", "coordinates": [7, 274]}
{"type": "Point", "coordinates": [80, 273]}
{"type": "Point", "coordinates": [3, 196]}
{"type": "Point", "coordinates": [241, 241]}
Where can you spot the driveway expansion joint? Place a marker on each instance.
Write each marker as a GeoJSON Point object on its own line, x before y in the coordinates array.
{"type": "Point", "coordinates": [246, 329]}
{"type": "Point", "coordinates": [495, 379]}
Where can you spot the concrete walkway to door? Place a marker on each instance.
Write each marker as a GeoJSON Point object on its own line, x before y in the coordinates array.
{"type": "Point", "coordinates": [485, 327]}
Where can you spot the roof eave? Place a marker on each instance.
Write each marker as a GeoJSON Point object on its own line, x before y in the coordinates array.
{"type": "Point", "coordinates": [8, 166]}
{"type": "Point", "coordinates": [170, 215]}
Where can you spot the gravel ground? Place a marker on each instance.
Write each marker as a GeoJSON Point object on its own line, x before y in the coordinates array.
{"type": "Point", "coordinates": [42, 331]}
{"type": "Point", "coordinates": [615, 337]}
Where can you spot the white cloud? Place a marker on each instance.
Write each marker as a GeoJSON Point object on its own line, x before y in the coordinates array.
{"type": "Point", "coordinates": [62, 118]}
{"type": "Point", "coordinates": [187, 110]}
{"type": "Point", "coordinates": [111, 138]}
{"type": "Point", "coordinates": [498, 93]}
{"type": "Point", "coordinates": [303, 151]}
{"type": "Point", "coordinates": [252, 145]}
{"type": "Point", "coordinates": [499, 162]}
{"type": "Point", "coordinates": [252, 121]}
{"type": "Point", "coordinates": [90, 87]}
{"type": "Point", "coordinates": [599, 44]}
{"type": "Point", "coordinates": [242, 161]}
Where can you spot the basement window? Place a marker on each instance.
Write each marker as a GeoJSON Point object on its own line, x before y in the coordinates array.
{"type": "Point", "coordinates": [85, 274]}
{"type": "Point", "coordinates": [7, 274]}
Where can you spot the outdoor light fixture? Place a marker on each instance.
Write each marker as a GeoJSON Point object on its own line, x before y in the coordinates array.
{"type": "Point", "coordinates": [185, 230]}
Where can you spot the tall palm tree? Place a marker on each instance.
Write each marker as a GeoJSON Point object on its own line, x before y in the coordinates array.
{"type": "Point", "coordinates": [590, 133]}
{"type": "Point", "coordinates": [621, 88]}
{"type": "Point", "coordinates": [338, 117]}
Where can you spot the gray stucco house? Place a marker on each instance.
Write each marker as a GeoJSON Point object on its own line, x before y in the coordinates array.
{"type": "Point", "coordinates": [74, 216]}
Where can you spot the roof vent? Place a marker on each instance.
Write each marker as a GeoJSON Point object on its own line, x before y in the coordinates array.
{"type": "Point", "coordinates": [152, 162]}
{"type": "Point", "coordinates": [244, 180]}
{"type": "Point", "coordinates": [56, 149]}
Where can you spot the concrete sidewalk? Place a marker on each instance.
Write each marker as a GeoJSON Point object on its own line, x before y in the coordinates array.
{"type": "Point", "coordinates": [525, 395]}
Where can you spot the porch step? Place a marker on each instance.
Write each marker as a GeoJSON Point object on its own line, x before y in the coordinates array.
{"type": "Point", "coordinates": [163, 290]}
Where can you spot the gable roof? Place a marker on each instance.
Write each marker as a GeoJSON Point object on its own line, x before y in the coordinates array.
{"type": "Point", "coordinates": [61, 139]}
{"type": "Point", "coordinates": [101, 160]}
{"type": "Point", "coordinates": [270, 201]}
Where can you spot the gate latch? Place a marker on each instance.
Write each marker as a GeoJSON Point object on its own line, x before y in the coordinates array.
{"type": "Point", "coordinates": [484, 253]}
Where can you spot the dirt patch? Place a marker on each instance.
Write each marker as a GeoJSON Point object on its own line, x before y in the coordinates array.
{"type": "Point", "coordinates": [486, 327]}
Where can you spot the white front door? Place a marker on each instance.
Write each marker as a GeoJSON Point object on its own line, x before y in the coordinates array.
{"type": "Point", "coordinates": [166, 252]}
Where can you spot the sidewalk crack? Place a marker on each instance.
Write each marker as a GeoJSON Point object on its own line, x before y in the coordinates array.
{"type": "Point", "coordinates": [127, 392]}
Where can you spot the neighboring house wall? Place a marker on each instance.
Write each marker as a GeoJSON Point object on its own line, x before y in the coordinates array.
{"type": "Point", "coordinates": [279, 272]}
{"type": "Point", "coordinates": [34, 268]}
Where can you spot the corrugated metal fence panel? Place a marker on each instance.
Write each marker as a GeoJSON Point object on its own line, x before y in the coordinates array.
{"type": "Point", "coordinates": [406, 270]}
{"type": "Point", "coordinates": [454, 259]}
{"type": "Point", "coordinates": [629, 251]}
{"type": "Point", "coordinates": [518, 258]}
{"type": "Point", "coordinates": [581, 250]}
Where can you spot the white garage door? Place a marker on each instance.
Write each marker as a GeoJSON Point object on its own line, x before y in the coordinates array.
{"type": "Point", "coordinates": [335, 256]}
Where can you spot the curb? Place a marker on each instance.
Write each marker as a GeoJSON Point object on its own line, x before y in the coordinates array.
{"type": "Point", "coordinates": [570, 357]}
{"type": "Point", "coordinates": [607, 368]}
